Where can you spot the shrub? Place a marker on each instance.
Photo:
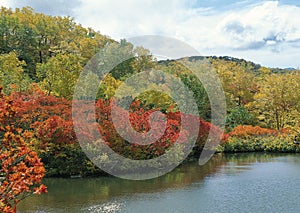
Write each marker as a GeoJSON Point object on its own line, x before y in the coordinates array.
{"type": "Point", "coordinates": [250, 139]}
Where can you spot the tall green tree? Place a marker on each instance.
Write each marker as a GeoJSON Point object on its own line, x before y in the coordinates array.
{"type": "Point", "coordinates": [59, 75]}
{"type": "Point", "coordinates": [12, 76]}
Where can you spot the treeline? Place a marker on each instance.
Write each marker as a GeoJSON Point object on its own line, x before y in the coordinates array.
{"type": "Point", "coordinates": [52, 51]}
{"type": "Point", "coordinates": [255, 95]}
{"type": "Point", "coordinates": [39, 74]}
{"type": "Point", "coordinates": [263, 107]}
{"type": "Point", "coordinates": [259, 96]}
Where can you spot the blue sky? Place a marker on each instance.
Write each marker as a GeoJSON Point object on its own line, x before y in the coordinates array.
{"type": "Point", "coordinates": [265, 32]}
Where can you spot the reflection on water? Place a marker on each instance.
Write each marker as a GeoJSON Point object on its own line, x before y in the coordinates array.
{"type": "Point", "coordinates": [226, 181]}
{"type": "Point", "coordinates": [109, 207]}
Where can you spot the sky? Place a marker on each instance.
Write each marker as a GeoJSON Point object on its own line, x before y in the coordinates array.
{"type": "Point", "coordinates": [265, 32]}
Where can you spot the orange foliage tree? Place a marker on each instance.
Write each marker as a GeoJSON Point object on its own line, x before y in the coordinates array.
{"type": "Point", "coordinates": [248, 130]}
{"type": "Point", "coordinates": [21, 170]}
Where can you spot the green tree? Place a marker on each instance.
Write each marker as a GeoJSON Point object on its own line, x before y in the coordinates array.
{"type": "Point", "coordinates": [59, 75]}
{"type": "Point", "coordinates": [180, 71]}
{"type": "Point", "coordinates": [12, 77]}
{"type": "Point", "coordinates": [239, 116]}
{"type": "Point", "coordinates": [37, 37]}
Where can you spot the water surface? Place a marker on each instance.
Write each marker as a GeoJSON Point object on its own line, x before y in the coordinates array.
{"type": "Point", "coordinates": [227, 183]}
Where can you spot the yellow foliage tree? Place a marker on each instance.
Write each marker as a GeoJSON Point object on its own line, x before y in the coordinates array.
{"type": "Point", "coordinates": [277, 103]}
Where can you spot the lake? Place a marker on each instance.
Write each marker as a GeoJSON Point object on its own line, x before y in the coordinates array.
{"type": "Point", "coordinates": [254, 182]}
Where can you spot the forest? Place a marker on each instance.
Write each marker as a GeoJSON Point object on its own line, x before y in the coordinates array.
{"type": "Point", "coordinates": [41, 58]}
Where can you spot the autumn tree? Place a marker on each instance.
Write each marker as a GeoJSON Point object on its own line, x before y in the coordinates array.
{"type": "Point", "coordinates": [59, 75]}
{"type": "Point", "coordinates": [238, 82]}
{"type": "Point", "coordinates": [12, 77]}
{"type": "Point", "coordinates": [182, 73]}
{"type": "Point", "coordinates": [21, 170]}
{"type": "Point", "coordinates": [277, 103]}
{"type": "Point", "coordinates": [143, 60]}
{"type": "Point", "coordinates": [37, 37]}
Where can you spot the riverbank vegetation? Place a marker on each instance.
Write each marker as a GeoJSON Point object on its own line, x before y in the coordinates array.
{"type": "Point", "coordinates": [41, 58]}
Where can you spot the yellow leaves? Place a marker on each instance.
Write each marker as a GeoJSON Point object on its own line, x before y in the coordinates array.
{"type": "Point", "coordinates": [59, 75]}
{"type": "Point", "coordinates": [11, 72]}
{"type": "Point", "coordinates": [260, 96]}
{"type": "Point", "coordinates": [277, 102]}
{"type": "Point", "coordinates": [109, 85]}
{"type": "Point", "coordinates": [265, 70]}
{"type": "Point", "coordinates": [237, 82]}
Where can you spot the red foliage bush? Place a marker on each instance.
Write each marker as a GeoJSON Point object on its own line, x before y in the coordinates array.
{"type": "Point", "coordinates": [245, 131]}
{"type": "Point", "coordinates": [55, 129]}
{"type": "Point", "coordinates": [50, 118]}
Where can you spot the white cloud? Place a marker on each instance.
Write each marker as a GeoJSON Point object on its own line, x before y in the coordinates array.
{"type": "Point", "coordinates": [261, 30]}
{"type": "Point", "coordinates": [262, 26]}
{"type": "Point", "coordinates": [132, 17]}
{"type": "Point", "coordinates": [268, 33]}
{"type": "Point", "coordinates": [5, 3]}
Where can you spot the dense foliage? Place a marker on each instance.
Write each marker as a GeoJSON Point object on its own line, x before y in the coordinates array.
{"type": "Point", "coordinates": [21, 170]}
{"type": "Point", "coordinates": [49, 120]}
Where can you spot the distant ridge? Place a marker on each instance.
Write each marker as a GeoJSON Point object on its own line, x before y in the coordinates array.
{"type": "Point", "coordinates": [251, 66]}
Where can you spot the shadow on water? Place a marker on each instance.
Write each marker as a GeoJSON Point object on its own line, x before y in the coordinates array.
{"type": "Point", "coordinates": [76, 195]}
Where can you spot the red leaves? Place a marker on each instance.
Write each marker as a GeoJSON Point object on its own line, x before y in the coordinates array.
{"type": "Point", "coordinates": [245, 131]}
{"type": "Point", "coordinates": [249, 132]}
{"type": "Point", "coordinates": [20, 167]}
{"type": "Point", "coordinates": [140, 122]}
{"type": "Point", "coordinates": [37, 106]}
{"type": "Point", "coordinates": [216, 134]}
{"type": "Point", "coordinates": [41, 189]}
{"type": "Point", "coordinates": [55, 129]}
{"type": "Point", "coordinates": [49, 120]}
